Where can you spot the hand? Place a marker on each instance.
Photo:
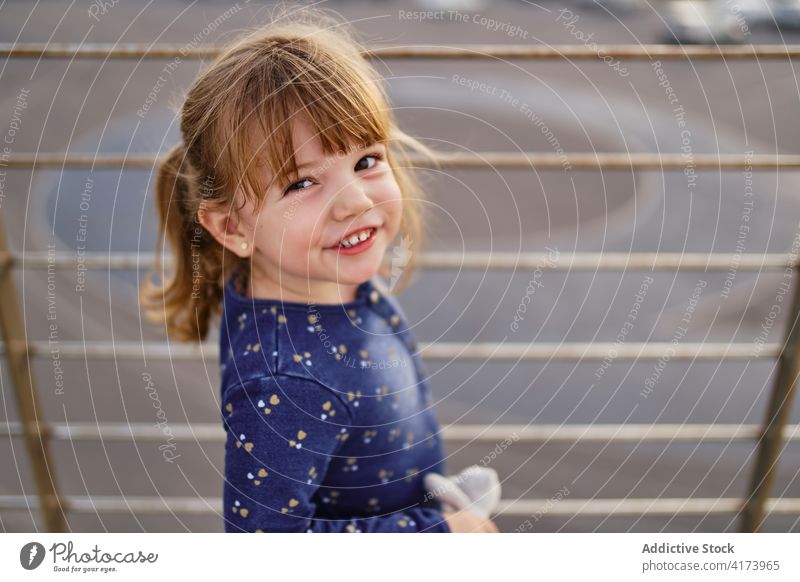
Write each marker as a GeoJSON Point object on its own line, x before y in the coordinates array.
{"type": "Point", "coordinates": [468, 522]}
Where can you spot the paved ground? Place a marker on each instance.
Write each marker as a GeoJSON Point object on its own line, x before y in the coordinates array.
{"type": "Point", "coordinates": [588, 106]}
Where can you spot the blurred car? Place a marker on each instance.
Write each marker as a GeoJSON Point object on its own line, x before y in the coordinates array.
{"type": "Point", "coordinates": [786, 13]}
{"type": "Point", "coordinates": [704, 22]}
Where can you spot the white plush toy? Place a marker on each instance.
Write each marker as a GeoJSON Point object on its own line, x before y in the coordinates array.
{"type": "Point", "coordinates": [475, 489]}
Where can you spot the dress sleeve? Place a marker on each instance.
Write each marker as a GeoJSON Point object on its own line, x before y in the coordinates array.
{"type": "Point", "coordinates": [281, 434]}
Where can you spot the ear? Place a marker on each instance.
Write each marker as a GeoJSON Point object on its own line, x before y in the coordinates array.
{"type": "Point", "coordinates": [224, 225]}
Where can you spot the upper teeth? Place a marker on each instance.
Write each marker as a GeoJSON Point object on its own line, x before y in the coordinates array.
{"type": "Point", "coordinates": [356, 238]}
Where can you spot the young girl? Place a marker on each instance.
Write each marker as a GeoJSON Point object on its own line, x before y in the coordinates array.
{"type": "Point", "coordinates": [279, 206]}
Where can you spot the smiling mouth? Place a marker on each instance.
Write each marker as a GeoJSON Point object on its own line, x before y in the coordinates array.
{"type": "Point", "coordinates": [357, 240]}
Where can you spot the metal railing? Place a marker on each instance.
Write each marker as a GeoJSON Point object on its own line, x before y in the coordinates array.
{"type": "Point", "coordinates": [37, 433]}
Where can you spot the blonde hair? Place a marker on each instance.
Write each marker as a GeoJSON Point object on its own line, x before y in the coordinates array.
{"type": "Point", "coordinates": [304, 64]}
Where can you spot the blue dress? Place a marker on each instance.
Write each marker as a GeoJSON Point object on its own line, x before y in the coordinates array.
{"type": "Point", "coordinates": [328, 418]}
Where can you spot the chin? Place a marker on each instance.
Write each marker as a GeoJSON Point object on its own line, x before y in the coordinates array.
{"type": "Point", "coordinates": [356, 276]}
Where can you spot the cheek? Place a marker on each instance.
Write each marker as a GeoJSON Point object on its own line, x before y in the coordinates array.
{"type": "Point", "coordinates": [390, 199]}
{"type": "Point", "coordinates": [275, 235]}
{"type": "Point", "coordinates": [395, 213]}
{"type": "Point", "coordinates": [295, 233]}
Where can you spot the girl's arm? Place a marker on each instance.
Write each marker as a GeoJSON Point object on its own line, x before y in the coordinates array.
{"type": "Point", "coordinates": [282, 432]}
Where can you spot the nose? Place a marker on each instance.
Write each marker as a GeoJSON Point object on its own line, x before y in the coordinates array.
{"type": "Point", "coordinates": [352, 200]}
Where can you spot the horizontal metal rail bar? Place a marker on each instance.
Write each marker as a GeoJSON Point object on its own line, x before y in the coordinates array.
{"type": "Point", "coordinates": [469, 51]}
{"type": "Point", "coordinates": [494, 351]}
{"type": "Point", "coordinates": [507, 507]}
{"type": "Point", "coordinates": [468, 260]}
{"type": "Point", "coordinates": [473, 433]}
{"type": "Point", "coordinates": [510, 160]}
{"type": "Point", "coordinates": [603, 433]}
{"type": "Point", "coordinates": [481, 351]}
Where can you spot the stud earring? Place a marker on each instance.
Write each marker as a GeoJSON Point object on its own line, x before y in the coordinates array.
{"type": "Point", "coordinates": [243, 246]}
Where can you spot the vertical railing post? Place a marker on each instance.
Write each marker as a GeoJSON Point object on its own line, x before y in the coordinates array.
{"type": "Point", "coordinates": [17, 356]}
{"type": "Point", "coordinates": [778, 408]}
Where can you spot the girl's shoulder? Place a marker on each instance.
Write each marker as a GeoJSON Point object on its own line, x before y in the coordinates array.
{"type": "Point", "coordinates": [311, 341]}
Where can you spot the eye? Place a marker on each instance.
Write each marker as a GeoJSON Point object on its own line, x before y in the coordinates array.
{"type": "Point", "coordinates": [376, 158]}
{"type": "Point", "coordinates": [301, 185]}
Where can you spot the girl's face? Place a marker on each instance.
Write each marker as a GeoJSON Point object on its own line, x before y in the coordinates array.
{"type": "Point", "coordinates": [297, 238]}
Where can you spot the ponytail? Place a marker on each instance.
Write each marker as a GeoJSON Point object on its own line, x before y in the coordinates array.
{"type": "Point", "coordinates": [187, 299]}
